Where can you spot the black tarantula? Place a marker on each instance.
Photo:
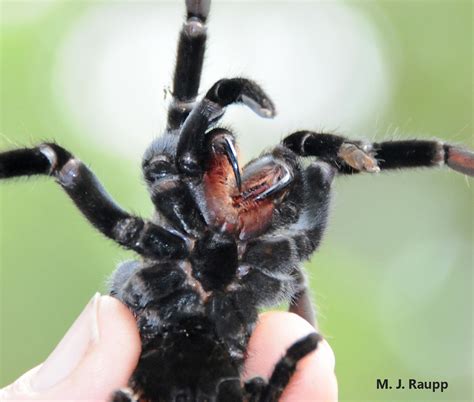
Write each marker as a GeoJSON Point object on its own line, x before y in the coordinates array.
{"type": "Point", "coordinates": [225, 240]}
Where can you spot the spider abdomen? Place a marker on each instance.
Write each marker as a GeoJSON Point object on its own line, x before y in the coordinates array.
{"type": "Point", "coordinates": [175, 314]}
{"type": "Point", "coordinates": [170, 366]}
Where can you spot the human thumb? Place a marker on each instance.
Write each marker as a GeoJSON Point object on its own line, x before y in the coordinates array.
{"type": "Point", "coordinates": [96, 356]}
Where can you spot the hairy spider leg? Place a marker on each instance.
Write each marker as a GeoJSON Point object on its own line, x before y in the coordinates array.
{"type": "Point", "coordinates": [189, 61]}
{"type": "Point", "coordinates": [302, 305]}
{"type": "Point", "coordinates": [90, 197]}
{"type": "Point", "coordinates": [276, 258]}
{"type": "Point", "coordinates": [308, 231]}
{"type": "Point", "coordinates": [356, 156]}
{"type": "Point", "coordinates": [258, 390]}
{"type": "Point", "coordinates": [191, 146]}
{"type": "Point", "coordinates": [280, 274]}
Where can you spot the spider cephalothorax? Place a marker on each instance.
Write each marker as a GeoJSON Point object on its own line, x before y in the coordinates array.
{"type": "Point", "coordinates": [225, 239]}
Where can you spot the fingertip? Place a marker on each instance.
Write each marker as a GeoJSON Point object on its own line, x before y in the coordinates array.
{"type": "Point", "coordinates": [111, 358]}
{"type": "Point", "coordinates": [118, 326]}
{"type": "Point", "coordinates": [95, 357]}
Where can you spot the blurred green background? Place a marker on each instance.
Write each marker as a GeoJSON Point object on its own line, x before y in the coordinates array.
{"type": "Point", "coordinates": [393, 279]}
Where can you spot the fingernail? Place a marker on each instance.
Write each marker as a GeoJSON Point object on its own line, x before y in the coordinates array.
{"type": "Point", "coordinates": [83, 334]}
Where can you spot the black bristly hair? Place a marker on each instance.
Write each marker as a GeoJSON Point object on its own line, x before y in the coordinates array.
{"type": "Point", "coordinates": [224, 241]}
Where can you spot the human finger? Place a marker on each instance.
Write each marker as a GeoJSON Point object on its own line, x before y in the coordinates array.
{"type": "Point", "coordinates": [95, 357]}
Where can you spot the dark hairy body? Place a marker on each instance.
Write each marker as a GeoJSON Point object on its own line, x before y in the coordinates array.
{"type": "Point", "coordinates": [224, 241]}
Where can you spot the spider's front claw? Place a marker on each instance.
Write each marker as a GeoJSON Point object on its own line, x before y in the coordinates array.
{"type": "Point", "coordinates": [280, 185]}
{"type": "Point", "coordinates": [232, 158]}
{"type": "Point", "coordinates": [460, 159]}
{"type": "Point", "coordinates": [242, 90]}
{"type": "Point", "coordinates": [357, 158]}
{"type": "Point", "coordinates": [223, 141]}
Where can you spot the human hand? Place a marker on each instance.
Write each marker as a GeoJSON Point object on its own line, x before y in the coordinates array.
{"type": "Point", "coordinates": [100, 351]}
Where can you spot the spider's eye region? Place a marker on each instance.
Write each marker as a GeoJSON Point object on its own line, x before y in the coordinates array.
{"type": "Point", "coordinates": [157, 169]}
{"type": "Point", "coordinates": [189, 165]}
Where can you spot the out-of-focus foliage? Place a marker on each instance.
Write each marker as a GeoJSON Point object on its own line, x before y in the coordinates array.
{"type": "Point", "coordinates": [393, 278]}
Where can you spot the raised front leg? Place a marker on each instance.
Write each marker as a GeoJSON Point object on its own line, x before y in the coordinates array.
{"type": "Point", "coordinates": [92, 200]}
{"type": "Point", "coordinates": [356, 156]}
{"type": "Point", "coordinates": [189, 61]}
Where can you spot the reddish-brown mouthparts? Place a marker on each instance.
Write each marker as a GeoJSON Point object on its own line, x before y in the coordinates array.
{"type": "Point", "coordinates": [246, 211]}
